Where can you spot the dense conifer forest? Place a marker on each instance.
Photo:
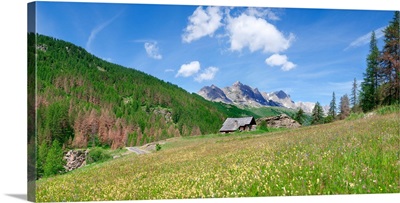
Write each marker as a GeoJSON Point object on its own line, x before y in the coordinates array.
{"type": "Point", "coordinates": [83, 100]}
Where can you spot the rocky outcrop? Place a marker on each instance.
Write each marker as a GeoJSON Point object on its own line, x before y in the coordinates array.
{"type": "Point", "coordinates": [41, 47]}
{"type": "Point", "coordinates": [165, 113]}
{"type": "Point", "coordinates": [281, 121]}
{"type": "Point", "coordinates": [75, 159]}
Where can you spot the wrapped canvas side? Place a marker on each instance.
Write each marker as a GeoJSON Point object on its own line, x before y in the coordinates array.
{"type": "Point", "coordinates": [32, 130]}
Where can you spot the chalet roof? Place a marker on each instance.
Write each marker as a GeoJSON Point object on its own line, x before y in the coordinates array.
{"type": "Point", "coordinates": [232, 124]}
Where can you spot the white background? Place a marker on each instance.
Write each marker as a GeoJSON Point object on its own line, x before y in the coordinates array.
{"type": "Point", "coordinates": [13, 23]}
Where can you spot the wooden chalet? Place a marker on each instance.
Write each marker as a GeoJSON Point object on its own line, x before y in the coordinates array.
{"type": "Point", "coordinates": [238, 124]}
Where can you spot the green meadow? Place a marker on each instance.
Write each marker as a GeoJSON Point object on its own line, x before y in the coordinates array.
{"type": "Point", "coordinates": [354, 156]}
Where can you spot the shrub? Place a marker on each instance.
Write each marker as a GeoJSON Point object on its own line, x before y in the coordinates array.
{"type": "Point", "coordinates": [263, 126]}
{"type": "Point", "coordinates": [97, 155]}
{"type": "Point", "coordinates": [355, 116]}
{"type": "Point", "coordinates": [388, 109]}
{"type": "Point", "coordinates": [158, 147]}
{"type": "Point", "coordinates": [328, 119]}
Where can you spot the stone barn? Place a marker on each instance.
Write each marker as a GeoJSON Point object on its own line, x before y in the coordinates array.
{"type": "Point", "coordinates": [241, 124]}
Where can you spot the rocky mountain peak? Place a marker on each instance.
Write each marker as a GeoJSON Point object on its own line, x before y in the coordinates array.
{"type": "Point", "coordinates": [244, 95]}
{"type": "Point", "coordinates": [213, 93]}
{"type": "Point", "coordinates": [237, 83]}
{"type": "Point", "coordinates": [281, 94]}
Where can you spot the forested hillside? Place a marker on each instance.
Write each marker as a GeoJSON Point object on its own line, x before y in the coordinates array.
{"type": "Point", "coordinates": [83, 100]}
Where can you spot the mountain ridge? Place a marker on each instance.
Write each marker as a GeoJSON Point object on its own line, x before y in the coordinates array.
{"type": "Point", "coordinates": [243, 95]}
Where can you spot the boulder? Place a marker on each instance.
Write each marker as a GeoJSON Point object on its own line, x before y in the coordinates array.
{"type": "Point", "coordinates": [75, 159]}
{"type": "Point", "coordinates": [280, 121]}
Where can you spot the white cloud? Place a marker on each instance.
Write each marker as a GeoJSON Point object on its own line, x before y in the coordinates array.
{"type": "Point", "coordinates": [190, 69]}
{"type": "Point", "coordinates": [249, 30]}
{"type": "Point", "coordinates": [169, 70]}
{"type": "Point", "coordinates": [280, 60]}
{"type": "Point", "coordinates": [208, 74]}
{"type": "Point", "coordinates": [365, 39]}
{"type": "Point", "coordinates": [202, 23]}
{"type": "Point", "coordinates": [99, 28]}
{"type": "Point", "coordinates": [262, 13]}
{"type": "Point", "coordinates": [193, 68]}
{"type": "Point", "coordinates": [152, 50]}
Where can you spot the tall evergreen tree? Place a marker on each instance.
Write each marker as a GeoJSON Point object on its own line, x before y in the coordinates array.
{"type": "Point", "coordinates": [317, 114]}
{"type": "Point", "coordinates": [369, 86]}
{"type": "Point", "coordinates": [390, 61]}
{"type": "Point", "coordinates": [332, 107]}
{"type": "Point", "coordinates": [344, 107]}
{"type": "Point", "coordinates": [54, 160]}
{"type": "Point", "coordinates": [57, 122]}
{"type": "Point", "coordinates": [299, 117]}
{"type": "Point", "coordinates": [353, 96]}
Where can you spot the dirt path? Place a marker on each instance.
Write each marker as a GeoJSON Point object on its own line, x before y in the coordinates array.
{"type": "Point", "coordinates": [149, 147]}
{"type": "Point", "coordinates": [137, 150]}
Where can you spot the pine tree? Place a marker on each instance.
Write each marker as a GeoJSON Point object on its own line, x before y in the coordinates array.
{"type": "Point", "coordinates": [353, 96]}
{"type": "Point", "coordinates": [57, 122]}
{"type": "Point", "coordinates": [299, 117]}
{"type": "Point", "coordinates": [54, 160]}
{"type": "Point", "coordinates": [389, 61]}
{"type": "Point", "coordinates": [369, 86]}
{"type": "Point", "coordinates": [317, 114]}
{"type": "Point", "coordinates": [332, 107]}
{"type": "Point", "coordinates": [344, 107]}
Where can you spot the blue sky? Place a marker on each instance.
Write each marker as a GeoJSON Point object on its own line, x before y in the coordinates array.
{"type": "Point", "coordinates": [308, 53]}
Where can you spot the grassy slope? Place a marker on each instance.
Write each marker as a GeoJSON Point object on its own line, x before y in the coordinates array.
{"type": "Point", "coordinates": [272, 111]}
{"type": "Point", "coordinates": [344, 157]}
{"type": "Point", "coordinates": [233, 111]}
